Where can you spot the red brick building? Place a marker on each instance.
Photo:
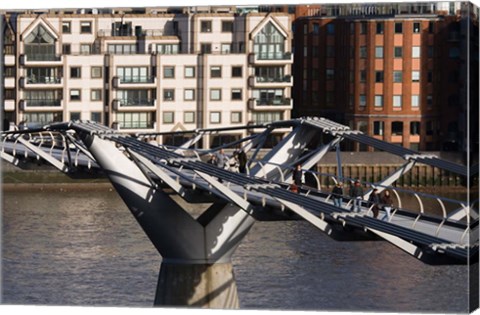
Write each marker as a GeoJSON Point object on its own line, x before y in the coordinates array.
{"type": "Point", "coordinates": [397, 72]}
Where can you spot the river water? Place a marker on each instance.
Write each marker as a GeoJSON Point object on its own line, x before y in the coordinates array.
{"type": "Point", "coordinates": [84, 248]}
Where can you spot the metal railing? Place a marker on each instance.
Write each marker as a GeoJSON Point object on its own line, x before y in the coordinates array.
{"type": "Point", "coordinates": [137, 79]}
{"type": "Point", "coordinates": [43, 57]}
{"type": "Point", "coordinates": [276, 79]}
{"type": "Point", "coordinates": [136, 102]}
{"type": "Point", "coordinates": [273, 102]}
{"type": "Point", "coordinates": [43, 80]}
{"type": "Point", "coordinates": [273, 56]}
{"type": "Point", "coordinates": [36, 102]}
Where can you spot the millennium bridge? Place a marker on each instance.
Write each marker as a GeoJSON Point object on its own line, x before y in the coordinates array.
{"type": "Point", "coordinates": [196, 267]}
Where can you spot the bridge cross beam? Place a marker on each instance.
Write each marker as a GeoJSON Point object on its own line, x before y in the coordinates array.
{"type": "Point", "coordinates": [196, 268]}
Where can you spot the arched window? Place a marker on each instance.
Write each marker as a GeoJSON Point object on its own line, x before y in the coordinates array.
{"type": "Point", "coordinates": [269, 43]}
{"type": "Point", "coordinates": [40, 45]}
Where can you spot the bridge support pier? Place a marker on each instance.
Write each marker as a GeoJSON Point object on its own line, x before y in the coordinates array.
{"type": "Point", "coordinates": [197, 285]}
{"type": "Point", "coordinates": [196, 269]}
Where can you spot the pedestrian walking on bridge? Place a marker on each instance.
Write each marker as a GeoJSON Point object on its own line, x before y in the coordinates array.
{"type": "Point", "coordinates": [356, 193]}
{"type": "Point", "coordinates": [337, 193]}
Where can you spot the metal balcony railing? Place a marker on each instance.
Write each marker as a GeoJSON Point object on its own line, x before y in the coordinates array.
{"type": "Point", "coordinates": [278, 79]}
{"type": "Point", "coordinates": [43, 80]}
{"type": "Point", "coordinates": [43, 57]}
{"type": "Point", "coordinates": [136, 102]}
{"type": "Point", "coordinates": [274, 56]}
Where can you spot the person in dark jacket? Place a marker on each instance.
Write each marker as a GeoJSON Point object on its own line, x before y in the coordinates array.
{"type": "Point", "coordinates": [242, 161]}
{"type": "Point", "coordinates": [337, 193]}
{"type": "Point", "coordinates": [297, 175]}
{"type": "Point", "coordinates": [374, 201]}
{"type": "Point", "coordinates": [387, 203]}
{"type": "Point", "coordinates": [356, 193]}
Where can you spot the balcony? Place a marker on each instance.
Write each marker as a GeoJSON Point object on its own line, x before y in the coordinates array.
{"type": "Point", "coordinates": [285, 81]}
{"type": "Point", "coordinates": [271, 58]}
{"type": "Point", "coordinates": [37, 104]}
{"type": "Point", "coordinates": [134, 104]}
{"type": "Point", "coordinates": [41, 82]}
{"type": "Point", "coordinates": [9, 105]}
{"type": "Point", "coordinates": [41, 59]}
{"type": "Point", "coordinates": [134, 82]}
{"type": "Point", "coordinates": [274, 104]}
{"type": "Point", "coordinates": [137, 126]}
{"type": "Point", "coordinates": [135, 32]}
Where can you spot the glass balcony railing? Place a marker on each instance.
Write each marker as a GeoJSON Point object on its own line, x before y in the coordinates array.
{"type": "Point", "coordinates": [139, 79]}
{"type": "Point", "coordinates": [273, 55]}
{"type": "Point", "coordinates": [136, 102]}
{"type": "Point", "coordinates": [278, 79]}
{"type": "Point", "coordinates": [44, 102]}
{"type": "Point", "coordinates": [273, 102]}
{"type": "Point", "coordinates": [43, 57]}
{"type": "Point", "coordinates": [43, 80]}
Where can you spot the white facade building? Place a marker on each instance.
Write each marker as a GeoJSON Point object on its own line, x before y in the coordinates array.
{"type": "Point", "coordinates": [155, 71]}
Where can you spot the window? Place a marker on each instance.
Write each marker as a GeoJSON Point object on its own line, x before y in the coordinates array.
{"type": "Point", "coordinates": [330, 28]}
{"type": "Point", "coordinates": [226, 48]}
{"type": "Point", "coordinates": [429, 128]}
{"type": "Point", "coordinates": [398, 28]}
{"type": "Point", "coordinates": [415, 76]}
{"type": "Point", "coordinates": [96, 117]}
{"type": "Point", "coordinates": [236, 117]}
{"type": "Point", "coordinates": [167, 49]}
{"type": "Point", "coordinates": [378, 127]}
{"type": "Point", "coordinates": [398, 51]}
{"type": "Point", "coordinates": [215, 72]}
{"type": "Point", "coordinates": [206, 48]}
{"type": "Point", "coordinates": [168, 117]}
{"type": "Point", "coordinates": [206, 26]}
{"type": "Point", "coordinates": [363, 100]}
{"type": "Point", "coordinates": [189, 72]}
{"type": "Point", "coordinates": [236, 94]}
{"type": "Point", "coordinates": [330, 51]}
{"type": "Point", "coordinates": [132, 97]}
{"type": "Point", "coordinates": [363, 76]}
{"type": "Point", "coordinates": [169, 95]}
{"type": "Point", "coordinates": [429, 101]}
{"type": "Point", "coordinates": [75, 116]}
{"type": "Point", "coordinates": [414, 128]}
{"type": "Point", "coordinates": [430, 27]}
{"type": "Point", "coordinates": [363, 27]}
{"type": "Point", "coordinates": [66, 27]}
{"type": "Point", "coordinates": [134, 75]}
{"type": "Point", "coordinates": [363, 51]}
{"type": "Point", "coordinates": [169, 72]}
{"type": "Point", "coordinates": [266, 117]}
{"type": "Point", "coordinates": [378, 76]}
{"type": "Point", "coordinates": [430, 51]}
{"type": "Point", "coordinates": [96, 95]}
{"type": "Point", "coordinates": [85, 49]}
{"type": "Point", "coordinates": [189, 117]}
{"type": "Point", "coordinates": [416, 52]}
{"type": "Point", "coordinates": [136, 120]}
{"type": "Point", "coordinates": [66, 49]}
{"type": "Point", "coordinates": [397, 101]}
{"type": "Point", "coordinates": [379, 52]}
{"type": "Point", "coordinates": [416, 27]}
{"type": "Point", "coordinates": [415, 101]}
{"type": "Point", "coordinates": [215, 117]}
{"type": "Point", "coordinates": [269, 43]}
{"type": "Point", "coordinates": [237, 71]}
{"type": "Point", "coordinates": [316, 28]}
{"type": "Point", "coordinates": [86, 27]}
{"type": "Point", "coordinates": [227, 26]}
{"type": "Point", "coordinates": [215, 94]}
{"type": "Point", "coordinates": [122, 49]}
{"type": "Point", "coordinates": [397, 76]}
{"type": "Point", "coordinates": [75, 95]}
{"type": "Point", "coordinates": [380, 27]}
{"type": "Point", "coordinates": [330, 73]}
{"type": "Point", "coordinates": [189, 94]}
{"type": "Point", "coordinates": [397, 128]}
{"type": "Point", "coordinates": [430, 76]}
{"type": "Point", "coordinates": [378, 100]}
{"type": "Point", "coordinates": [75, 72]}
{"type": "Point", "coordinates": [96, 72]}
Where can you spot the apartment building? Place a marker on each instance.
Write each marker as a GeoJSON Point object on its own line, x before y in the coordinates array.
{"type": "Point", "coordinates": [397, 72]}
{"type": "Point", "coordinates": [149, 70]}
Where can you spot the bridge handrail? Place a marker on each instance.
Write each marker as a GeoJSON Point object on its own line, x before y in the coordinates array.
{"type": "Point", "coordinates": [348, 179]}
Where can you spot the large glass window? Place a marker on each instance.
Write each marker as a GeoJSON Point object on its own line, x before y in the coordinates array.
{"type": "Point", "coordinates": [167, 49]}
{"type": "Point", "coordinates": [397, 128]}
{"type": "Point", "coordinates": [266, 117]}
{"type": "Point", "coordinates": [136, 120]}
{"type": "Point", "coordinates": [134, 97]}
{"type": "Point", "coordinates": [43, 97]}
{"type": "Point", "coordinates": [269, 96]}
{"type": "Point", "coordinates": [40, 45]}
{"type": "Point", "coordinates": [378, 128]}
{"type": "Point", "coordinates": [269, 43]}
{"type": "Point", "coordinates": [269, 74]}
{"type": "Point", "coordinates": [122, 49]}
{"type": "Point", "coordinates": [43, 75]}
{"type": "Point", "coordinates": [133, 75]}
